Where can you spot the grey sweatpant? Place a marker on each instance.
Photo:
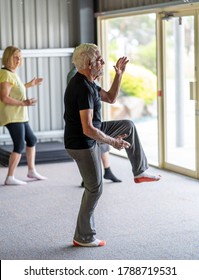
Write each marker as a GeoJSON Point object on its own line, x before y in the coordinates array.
{"type": "Point", "coordinates": [89, 164]}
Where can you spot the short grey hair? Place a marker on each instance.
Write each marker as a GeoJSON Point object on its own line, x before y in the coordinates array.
{"type": "Point", "coordinates": [83, 54]}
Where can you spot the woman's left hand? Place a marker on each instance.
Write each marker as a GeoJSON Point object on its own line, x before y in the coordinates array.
{"type": "Point", "coordinates": [34, 82]}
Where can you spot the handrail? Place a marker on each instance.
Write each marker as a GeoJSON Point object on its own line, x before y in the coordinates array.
{"type": "Point", "coordinates": [57, 52]}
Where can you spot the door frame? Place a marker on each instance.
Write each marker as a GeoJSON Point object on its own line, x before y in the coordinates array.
{"type": "Point", "coordinates": [161, 89]}
{"type": "Point", "coordinates": [192, 9]}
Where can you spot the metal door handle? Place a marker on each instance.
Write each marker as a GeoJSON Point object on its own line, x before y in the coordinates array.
{"type": "Point", "coordinates": [192, 90]}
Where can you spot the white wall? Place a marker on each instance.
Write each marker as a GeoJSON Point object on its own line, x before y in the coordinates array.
{"type": "Point", "coordinates": [46, 31]}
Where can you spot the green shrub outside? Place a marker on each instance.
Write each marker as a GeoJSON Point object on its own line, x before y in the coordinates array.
{"type": "Point", "coordinates": [139, 82]}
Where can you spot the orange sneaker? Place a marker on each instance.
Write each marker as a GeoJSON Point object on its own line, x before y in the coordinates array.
{"type": "Point", "coordinates": [147, 178]}
{"type": "Point", "coordinates": [95, 243]}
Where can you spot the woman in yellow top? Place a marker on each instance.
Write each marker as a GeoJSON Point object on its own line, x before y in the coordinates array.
{"type": "Point", "coordinates": [14, 115]}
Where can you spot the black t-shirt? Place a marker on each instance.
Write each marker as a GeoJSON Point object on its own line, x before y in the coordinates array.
{"type": "Point", "coordinates": [80, 94]}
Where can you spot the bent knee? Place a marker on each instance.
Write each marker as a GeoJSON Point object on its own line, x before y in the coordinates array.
{"type": "Point", "coordinates": [129, 125]}
{"type": "Point", "coordinates": [19, 147]}
{"type": "Point", "coordinates": [31, 142]}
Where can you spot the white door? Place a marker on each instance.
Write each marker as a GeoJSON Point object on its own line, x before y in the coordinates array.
{"type": "Point", "coordinates": [180, 92]}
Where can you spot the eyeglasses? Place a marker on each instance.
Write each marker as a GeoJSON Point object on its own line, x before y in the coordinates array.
{"type": "Point", "coordinates": [100, 59]}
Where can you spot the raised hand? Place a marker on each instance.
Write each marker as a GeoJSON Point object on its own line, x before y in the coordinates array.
{"type": "Point", "coordinates": [36, 81]}
{"type": "Point", "coordinates": [121, 65]}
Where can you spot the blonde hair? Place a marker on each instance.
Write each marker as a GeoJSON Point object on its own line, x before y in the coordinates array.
{"type": "Point", "coordinates": [7, 58]}
{"type": "Point", "coordinates": [84, 54]}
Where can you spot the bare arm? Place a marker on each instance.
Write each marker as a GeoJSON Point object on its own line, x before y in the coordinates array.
{"type": "Point", "coordinates": [5, 89]}
{"type": "Point", "coordinates": [96, 134]}
{"type": "Point", "coordinates": [111, 95]}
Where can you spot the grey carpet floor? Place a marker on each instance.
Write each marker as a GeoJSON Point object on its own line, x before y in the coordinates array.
{"type": "Point", "coordinates": [149, 221]}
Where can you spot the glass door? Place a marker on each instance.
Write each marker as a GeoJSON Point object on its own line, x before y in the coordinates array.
{"type": "Point", "coordinates": [134, 36]}
{"type": "Point", "coordinates": [179, 93]}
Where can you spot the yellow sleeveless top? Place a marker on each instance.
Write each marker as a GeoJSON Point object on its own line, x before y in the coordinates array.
{"type": "Point", "coordinates": [12, 113]}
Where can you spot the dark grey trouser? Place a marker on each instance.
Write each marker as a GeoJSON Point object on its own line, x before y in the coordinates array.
{"type": "Point", "coordinates": [136, 153]}
{"type": "Point", "coordinates": [89, 164]}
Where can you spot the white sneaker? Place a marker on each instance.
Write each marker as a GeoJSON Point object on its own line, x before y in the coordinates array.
{"type": "Point", "coordinates": [33, 174]}
{"type": "Point", "coordinates": [12, 181]}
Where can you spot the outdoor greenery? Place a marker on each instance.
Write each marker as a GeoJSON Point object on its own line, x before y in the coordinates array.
{"type": "Point", "coordinates": [139, 82]}
{"type": "Point", "coordinates": [135, 38]}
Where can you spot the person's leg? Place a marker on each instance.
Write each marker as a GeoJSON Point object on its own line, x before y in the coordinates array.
{"type": "Point", "coordinates": [108, 174]}
{"type": "Point", "coordinates": [32, 172]}
{"type": "Point", "coordinates": [30, 157]}
{"type": "Point", "coordinates": [14, 160]}
{"type": "Point", "coordinates": [16, 131]}
{"type": "Point", "coordinates": [135, 153]}
{"type": "Point", "coordinates": [31, 140]}
{"type": "Point", "coordinates": [105, 160]}
{"type": "Point", "coordinates": [89, 164]}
